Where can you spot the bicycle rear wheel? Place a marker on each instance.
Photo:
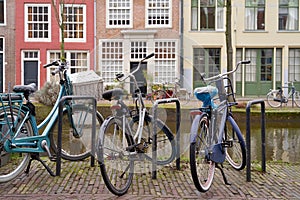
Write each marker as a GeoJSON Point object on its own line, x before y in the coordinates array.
{"type": "Point", "coordinates": [202, 169]}
{"type": "Point", "coordinates": [166, 148]}
{"type": "Point", "coordinates": [274, 99]}
{"type": "Point", "coordinates": [297, 98]}
{"type": "Point", "coordinates": [12, 164]}
{"type": "Point", "coordinates": [76, 132]}
{"type": "Point", "coordinates": [116, 162]}
{"type": "Point", "coordinates": [236, 152]}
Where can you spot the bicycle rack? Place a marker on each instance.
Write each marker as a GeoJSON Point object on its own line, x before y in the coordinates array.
{"type": "Point", "coordinates": [60, 116]}
{"type": "Point", "coordinates": [263, 137]}
{"type": "Point", "coordinates": [154, 146]}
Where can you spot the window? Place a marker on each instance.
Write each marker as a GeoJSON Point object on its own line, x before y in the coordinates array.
{"type": "Point", "coordinates": [294, 64]}
{"type": "Point", "coordinates": [119, 13]}
{"type": "Point", "coordinates": [37, 22]}
{"type": "Point", "coordinates": [207, 15]}
{"type": "Point", "coordinates": [255, 15]}
{"type": "Point", "coordinates": [158, 13]}
{"type": "Point", "coordinates": [78, 60]}
{"type": "Point", "coordinates": [75, 23]}
{"type": "Point", "coordinates": [138, 49]}
{"type": "Point", "coordinates": [206, 61]}
{"type": "Point", "coordinates": [2, 12]}
{"type": "Point", "coordinates": [111, 59]}
{"type": "Point", "coordinates": [288, 17]}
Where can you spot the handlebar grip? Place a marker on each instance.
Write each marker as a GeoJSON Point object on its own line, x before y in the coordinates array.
{"type": "Point", "coordinates": [55, 63]}
{"type": "Point", "coordinates": [149, 56]}
{"type": "Point", "coordinates": [246, 62]}
{"type": "Point", "coordinates": [120, 75]}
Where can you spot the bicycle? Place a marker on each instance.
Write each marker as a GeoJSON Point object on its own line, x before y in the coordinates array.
{"type": "Point", "coordinates": [126, 137]}
{"type": "Point", "coordinates": [215, 136]}
{"type": "Point", "coordinates": [169, 90]}
{"type": "Point", "coordinates": [276, 98]}
{"type": "Point", "coordinates": [20, 141]}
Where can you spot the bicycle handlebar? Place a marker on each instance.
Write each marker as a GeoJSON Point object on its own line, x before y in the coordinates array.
{"type": "Point", "coordinates": [60, 66]}
{"type": "Point", "coordinates": [225, 73]}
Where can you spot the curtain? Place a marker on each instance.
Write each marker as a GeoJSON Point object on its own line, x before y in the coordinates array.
{"type": "Point", "coordinates": [251, 19]}
{"type": "Point", "coordinates": [292, 19]}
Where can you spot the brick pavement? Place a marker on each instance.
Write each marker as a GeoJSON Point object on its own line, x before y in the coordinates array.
{"type": "Point", "coordinates": [80, 181]}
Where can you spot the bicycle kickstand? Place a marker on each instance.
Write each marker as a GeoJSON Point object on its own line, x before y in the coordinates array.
{"type": "Point", "coordinates": [36, 156]}
{"type": "Point", "coordinates": [223, 174]}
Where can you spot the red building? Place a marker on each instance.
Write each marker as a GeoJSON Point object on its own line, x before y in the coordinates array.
{"type": "Point", "coordinates": [38, 37]}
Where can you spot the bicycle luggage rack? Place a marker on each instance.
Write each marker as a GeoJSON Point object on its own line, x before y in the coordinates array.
{"type": "Point", "coordinates": [263, 136]}
{"type": "Point", "coordinates": [154, 146]}
{"type": "Point", "coordinates": [60, 116]}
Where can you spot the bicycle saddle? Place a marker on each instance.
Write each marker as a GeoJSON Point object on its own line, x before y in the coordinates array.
{"type": "Point", "coordinates": [113, 94]}
{"type": "Point", "coordinates": [26, 89]}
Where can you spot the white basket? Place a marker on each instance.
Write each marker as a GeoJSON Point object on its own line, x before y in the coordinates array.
{"type": "Point", "coordinates": [87, 83]}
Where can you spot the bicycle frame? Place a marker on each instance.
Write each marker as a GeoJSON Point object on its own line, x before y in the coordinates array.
{"type": "Point", "coordinates": [33, 144]}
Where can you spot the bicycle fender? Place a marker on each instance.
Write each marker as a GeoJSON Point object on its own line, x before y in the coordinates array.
{"type": "Point", "coordinates": [103, 127]}
{"type": "Point", "coordinates": [194, 128]}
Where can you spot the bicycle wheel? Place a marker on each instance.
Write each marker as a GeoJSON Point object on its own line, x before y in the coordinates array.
{"type": "Point", "coordinates": [12, 164]}
{"type": "Point", "coordinates": [183, 96]}
{"type": "Point", "coordinates": [166, 148]}
{"type": "Point", "coordinates": [202, 169]}
{"type": "Point", "coordinates": [115, 162]}
{"type": "Point", "coordinates": [158, 94]}
{"type": "Point", "coordinates": [236, 151]}
{"type": "Point", "coordinates": [76, 143]}
{"type": "Point", "coordinates": [297, 98]}
{"type": "Point", "coordinates": [274, 99]}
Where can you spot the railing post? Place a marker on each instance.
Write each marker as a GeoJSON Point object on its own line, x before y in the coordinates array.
{"type": "Point", "coordinates": [60, 116]}
{"type": "Point", "coordinates": [154, 146]}
{"type": "Point", "coordinates": [248, 137]}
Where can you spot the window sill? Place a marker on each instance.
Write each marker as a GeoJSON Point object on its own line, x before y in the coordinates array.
{"type": "Point", "coordinates": [285, 31]}
{"type": "Point", "coordinates": [255, 31]}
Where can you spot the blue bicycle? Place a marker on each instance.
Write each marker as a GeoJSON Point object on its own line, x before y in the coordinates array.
{"type": "Point", "coordinates": [20, 141]}
{"type": "Point", "coordinates": [215, 136]}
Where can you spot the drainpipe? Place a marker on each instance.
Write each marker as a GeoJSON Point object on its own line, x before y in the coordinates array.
{"type": "Point", "coordinates": [95, 34]}
{"type": "Point", "coordinates": [181, 43]}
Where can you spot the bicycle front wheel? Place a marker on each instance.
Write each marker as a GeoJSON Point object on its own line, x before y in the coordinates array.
{"type": "Point", "coordinates": [202, 169]}
{"type": "Point", "coordinates": [76, 132]}
{"type": "Point", "coordinates": [297, 98]}
{"type": "Point", "coordinates": [274, 99]}
{"type": "Point", "coordinates": [236, 150]}
{"type": "Point", "coordinates": [114, 156]}
{"type": "Point", "coordinates": [166, 148]}
{"type": "Point", "coordinates": [13, 164]}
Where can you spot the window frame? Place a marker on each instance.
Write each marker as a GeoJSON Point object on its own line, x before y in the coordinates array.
{"type": "Point", "coordinates": [84, 21]}
{"type": "Point", "coordinates": [256, 8]}
{"type": "Point", "coordinates": [293, 75]}
{"type": "Point", "coordinates": [26, 22]}
{"type": "Point", "coordinates": [169, 14]}
{"type": "Point", "coordinates": [130, 25]}
{"type": "Point", "coordinates": [196, 26]}
{"type": "Point", "coordinates": [288, 7]}
{"type": "Point", "coordinates": [4, 14]}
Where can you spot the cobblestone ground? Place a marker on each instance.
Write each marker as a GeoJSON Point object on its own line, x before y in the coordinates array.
{"type": "Point", "coordinates": [79, 180]}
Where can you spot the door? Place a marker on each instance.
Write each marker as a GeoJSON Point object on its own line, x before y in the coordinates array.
{"type": "Point", "coordinates": [31, 72]}
{"type": "Point", "coordinates": [140, 78]}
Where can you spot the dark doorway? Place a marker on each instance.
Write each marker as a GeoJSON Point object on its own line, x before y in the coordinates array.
{"type": "Point", "coordinates": [140, 78]}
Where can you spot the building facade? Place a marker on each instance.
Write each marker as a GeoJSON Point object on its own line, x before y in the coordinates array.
{"type": "Point", "coordinates": [265, 32]}
{"type": "Point", "coordinates": [38, 37]}
{"type": "Point", "coordinates": [128, 30]}
{"type": "Point", "coordinates": [7, 45]}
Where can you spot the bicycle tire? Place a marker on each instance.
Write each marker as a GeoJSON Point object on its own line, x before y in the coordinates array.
{"type": "Point", "coordinates": [271, 99]}
{"type": "Point", "coordinates": [13, 164]}
{"type": "Point", "coordinates": [236, 153]}
{"type": "Point", "coordinates": [166, 145]}
{"type": "Point", "coordinates": [75, 147]}
{"type": "Point", "coordinates": [158, 94]}
{"type": "Point", "coordinates": [202, 169]}
{"type": "Point", "coordinates": [297, 98]}
{"type": "Point", "coordinates": [115, 161]}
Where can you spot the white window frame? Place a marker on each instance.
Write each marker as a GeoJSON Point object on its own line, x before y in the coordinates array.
{"type": "Point", "coordinates": [3, 64]}
{"type": "Point", "coordinates": [30, 59]}
{"type": "Point", "coordinates": [130, 25]}
{"type": "Point", "coordinates": [147, 8]}
{"type": "Point", "coordinates": [27, 39]}
{"type": "Point", "coordinates": [84, 24]}
{"type": "Point", "coordinates": [68, 59]}
{"type": "Point", "coordinates": [163, 63]}
{"type": "Point", "coordinates": [4, 14]}
{"type": "Point", "coordinates": [112, 63]}
{"type": "Point", "coordinates": [138, 49]}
